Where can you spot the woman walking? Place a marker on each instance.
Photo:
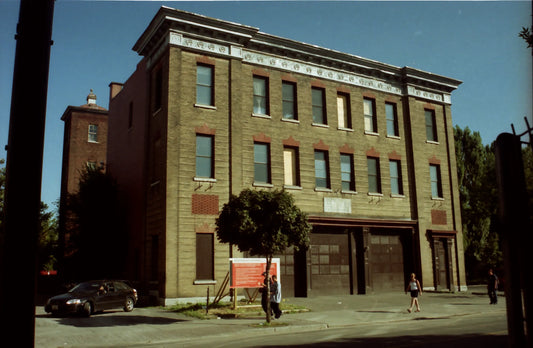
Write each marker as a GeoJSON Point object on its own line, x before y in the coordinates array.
{"type": "Point", "coordinates": [415, 289]}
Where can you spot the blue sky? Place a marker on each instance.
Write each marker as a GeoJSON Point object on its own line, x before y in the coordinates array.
{"type": "Point", "coordinates": [475, 42]}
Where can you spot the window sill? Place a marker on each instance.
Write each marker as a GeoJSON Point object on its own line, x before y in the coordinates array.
{"type": "Point", "coordinates": [432, 142]}
{"type": "Point", "coordinates": [204, 179]}
{"type": "Point", "coordinates": [394, 137]}
{"type": "Point", "coordinates": [394, 195]}
{"type": "Point", "coordinates": [371, 133]}
{"type": "Point", "coordinates": [345, 129]}
{"type": "Point", "coordinates": [292, 187]}
{"type": "Point", "coordinates": [320, 125]}
{"type": "Point", "coordinates": [261, 116]}
{"type": "Point", "coordinates": [92, 142]}
{"type": "Point", "coordinates": [290, 120]}
{"type": "Point", "coordinates": [375, 194]}
{"type": "Point", "coordinates": [208, 107]}
{"type": "Point", "coordinates": [262, 184]}
{"type": "Point", "coordinates": [349, 192]}
{"type": "Point", "coordinates": [205, 282]}
{"type": "Point", "coordinates": [323, 189]}
{"type": "Point", "coordinates": [437, 198]}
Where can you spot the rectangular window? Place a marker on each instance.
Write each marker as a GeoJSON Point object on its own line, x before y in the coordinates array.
{"type": "Point", "coordinates": [392, 120]}
{"type": "Point", "coordinates": [396, 177]}
{"type": "Point", "coordinates": [261, 95]}
{"type": "Point", "coordinates": [205, 256]}
{"type": "Point", "coordinates": [291, 166]}
{"type": "Point", "coordinates": [262, 163]}
{"type": "Point", "coordinates": [343, 110]}
{"type": "Point", "coordinates": [205, 85]}
{"type": "Point", "coordinates": [204, 156]}
{"type": "Point", "coordinates": [374, 176]}
{"type": "Point", "coordinates": [321, 169]}
{"type": "Point", "coordinates": [436, 185]}
{"type": "Point", "coordinates": [347, 177]}
{"type": "Point", "coordinates": [93, 133]}
{"type": "Point", "coordinates": [369, 110]}
{"type": "Point", "coordinates": [431, 127]}
{"type": "Point", "coordinates": [319, 105]}
{"type": "Point", "coordinates": [288, 91]}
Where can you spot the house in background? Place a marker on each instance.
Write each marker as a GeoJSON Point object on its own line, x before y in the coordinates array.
{"type": "Point", "coordinates": [366, 149]}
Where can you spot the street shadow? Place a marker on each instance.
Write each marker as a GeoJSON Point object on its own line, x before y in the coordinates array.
{"type": "Point", "coordinates": [103, 320]}
{"type": "Point", "coordinates": [378, 312]}
{"type": "Point", "coordinates": [433, 341]}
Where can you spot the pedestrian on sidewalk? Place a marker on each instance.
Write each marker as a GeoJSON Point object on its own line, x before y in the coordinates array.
{"type": "Point", "coordinates": [275, 296]}
{"type": "Point", "coordinates": [264, 292]}
{"type": "Point", "coordinates": [415, 289]}
{"type": "Point", "coordinates": [492, 287]}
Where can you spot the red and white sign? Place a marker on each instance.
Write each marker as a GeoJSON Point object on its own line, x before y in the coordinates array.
{"type": "Point", "coordinates": [248, 273]}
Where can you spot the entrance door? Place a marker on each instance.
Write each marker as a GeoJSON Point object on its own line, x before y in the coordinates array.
{"type": "Point", "coordinates": [386, 262]}
{"type": "Point", "coordinates": [441, 264]}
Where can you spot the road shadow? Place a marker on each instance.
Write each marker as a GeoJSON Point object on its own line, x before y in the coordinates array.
{"type": "Point", "coordinates": [433, 341]}
{"type": "Point", "coordinates": [106, 320]}
{"type": "Point", "coordinates": [379, 312]}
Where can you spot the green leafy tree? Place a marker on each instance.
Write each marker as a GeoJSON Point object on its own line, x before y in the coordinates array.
{"type": "Point", "coordinates": [263, 223]}
{"type": "Point", "coordinates": [527, 35]}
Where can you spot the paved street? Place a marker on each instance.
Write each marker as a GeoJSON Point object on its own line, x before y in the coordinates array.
{"type": "Point", "coordinates": [458, 320]}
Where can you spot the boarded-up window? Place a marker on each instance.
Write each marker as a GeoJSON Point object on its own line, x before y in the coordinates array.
{"type": "Point", "coordinates": [204, 256]}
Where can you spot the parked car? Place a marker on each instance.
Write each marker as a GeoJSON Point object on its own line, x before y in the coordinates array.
{"type": "Point", "coordinates": [94, 296]}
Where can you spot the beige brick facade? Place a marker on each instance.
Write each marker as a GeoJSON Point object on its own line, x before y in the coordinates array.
{"type": "Point", "coordinates": [417, 232]}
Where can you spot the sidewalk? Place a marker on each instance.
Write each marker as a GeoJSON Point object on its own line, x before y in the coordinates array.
{"type": "Point", "coordinates": [146, 326]}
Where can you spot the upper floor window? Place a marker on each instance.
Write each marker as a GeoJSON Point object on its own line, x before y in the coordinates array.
{"type": "Point", "coordinates": [319, 105]}
{"type": "Point", "coordinates": [347, 177]}
{"type": "Point", "coordinates": [291, 166]}
{"type": "Point", "coordinates": [431, 127]}
{"type": "Point", "coordinates": [261, 102]}
{"type": "Point", "coordinates": [436, 184]}
{"type": "Point", "coordinates": [321, 169]}
{"type": "Point", "coordinates": [396, 177]}
{"type": "Point", "coordinates": [369, 110]}
{"type": "Point", "coordinates": [288, 92]}
{"type": "Point", "coordinates": [374, 175]}
{"type": "Point", "coordinates": [93, 133]}
{"type": "Point", "coordinates": [392, 120]}
{"type": "Point", "coordinates": [262, 163]}
{"type": "Point", "coordinates": [204, 156]}
{"type": "Point", "coordinates": [205, 85]}
{"type": "Point", "coordinates": [343, 110]}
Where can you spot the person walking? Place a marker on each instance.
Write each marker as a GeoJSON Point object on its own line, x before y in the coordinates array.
{"type": "Point", "coordinates": [415, 289]}
{"type": "Point", "coordinates": [275, 296]}
{"type": "Point", "coordinates": [492, 287]}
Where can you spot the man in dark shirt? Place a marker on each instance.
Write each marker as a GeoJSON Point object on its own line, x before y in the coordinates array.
{"type": "Point", "coordinates": [492, 287]}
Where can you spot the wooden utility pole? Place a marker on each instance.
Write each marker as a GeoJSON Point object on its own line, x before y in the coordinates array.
{"type": "Point", "coordinates": [18, 238]}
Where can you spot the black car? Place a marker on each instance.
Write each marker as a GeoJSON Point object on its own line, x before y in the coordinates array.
{"type": "Point", "coordinates": [94, 296]}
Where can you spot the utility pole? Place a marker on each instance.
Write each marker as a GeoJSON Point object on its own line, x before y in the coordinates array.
{"type": "Point", "coordinates": [18, 239]}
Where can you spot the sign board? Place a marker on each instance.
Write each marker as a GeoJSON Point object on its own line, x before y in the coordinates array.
{"type": "Point", "coordinates": [337, 205]}
{"type": "Point", "coordinates": [248, 272]}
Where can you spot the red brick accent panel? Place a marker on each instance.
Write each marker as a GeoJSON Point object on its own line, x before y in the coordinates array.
{"type": "Point", "coordinates": [290, 141]}
{"type": "Point", "coordinates": [205, 60]}
{"type": "Point", "coordinates": [438, 217]}
{"type": "Point", "coordinates": [434, 160]}
{"type": "Point", "coordinates": [372, 153]}
{"type": "Point", "coordinates": [205, 130]}
{"type": "Point", "coordinates": [289, 78]}
{"type": "Point", "coordinates": [321, 146]}
{"type": "Point", "coordinates": [262, 138]}
{"type": "Point", "coordinates": [395, 156]}
{"type": "Point", "coordinates": [205, 228]}
{"type": "Point", "coordinates": [318, 83]}
{"type": "Point", "coordinates": [343, 89]}
{"type": "Point", "coordinates": [205, 204]}
{"type": "Point", "coordinates": [260, 72]}
{"type": "Point", "coordinates": [369, 95]}
{"type": "Point", "coordinates": [346, 149]}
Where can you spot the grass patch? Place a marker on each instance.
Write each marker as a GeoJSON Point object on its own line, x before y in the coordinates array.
{"type": "Point", "coordinates": [225, 310]}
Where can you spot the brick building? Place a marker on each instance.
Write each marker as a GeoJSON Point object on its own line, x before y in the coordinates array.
{"type": "Point", "coordinates": [366, 148]}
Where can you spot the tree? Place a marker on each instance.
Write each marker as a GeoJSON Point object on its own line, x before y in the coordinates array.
{"type": "Point", "coordinates": [527, 35]}
{"type": "Point", "coordinates": [263, 223]}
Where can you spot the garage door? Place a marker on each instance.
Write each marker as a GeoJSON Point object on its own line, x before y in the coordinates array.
{"type": "Point", "coordinates": [329, 264]}
{"type": "Point", "coordinates": [386, 263]}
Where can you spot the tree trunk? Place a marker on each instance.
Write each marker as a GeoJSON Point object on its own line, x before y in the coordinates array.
{"type": "Point", "coordinates": [267, 281]}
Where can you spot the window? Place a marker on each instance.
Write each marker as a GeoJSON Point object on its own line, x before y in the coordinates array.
{"type": "Point", "coordinates": [261, 95]}
{"type": "Point", "coordinates": [396, 177]}
{"type": "Point", "coordinates": [347, 177]}
{"type": "Point", "coordinates": [288, 91]}
{"type": "Point", "coordinates": [374, 177]}
{"type": "Point", "coordinates": [321, 169]}
{"type": "Point", "coordinates": [369, 109]}
{"type": "Point", "coordinates": [319, 105]}
{"type": "Point", "coordinates": [93, 133]}
{"type": "Point", "coordinates": [204, 156]}
{"type": "Point", "coordinates": [343, 110]}
{"type": "Point", "coordinates": [158, 89]}
{"type": "Point", "coordinates": [204, 256]}
{"type": "Point", "coordinates": [291, 166]}
{"type": "Point", "coordinates": [392, 120]}
{"type": "Point", "coordinates": [436, 185]}
{"type": "Point", "coordinates": [262, 163]}
{"type": "Point", "coordinates": [204, 85]}
{"type": "Point", "coordinates": [431, 127]}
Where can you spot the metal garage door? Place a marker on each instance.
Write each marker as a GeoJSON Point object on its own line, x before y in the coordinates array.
{"type": "Point", "coordinates": [329, 264]}
{"type": "Point", "coordinates": [386, 263]}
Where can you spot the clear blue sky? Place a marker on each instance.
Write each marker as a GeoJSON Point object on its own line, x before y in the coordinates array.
{"type": "Point", "coordinates": [475, 42]}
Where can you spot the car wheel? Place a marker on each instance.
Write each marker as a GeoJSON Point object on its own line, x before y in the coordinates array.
{"type": "Point", "coordinates": [128, 305]}
{"type": "Point", "coordinates": [87, 309]}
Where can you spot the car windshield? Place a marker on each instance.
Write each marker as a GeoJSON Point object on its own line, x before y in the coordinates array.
{"type": "Point", "coordinates": [86, 286]}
